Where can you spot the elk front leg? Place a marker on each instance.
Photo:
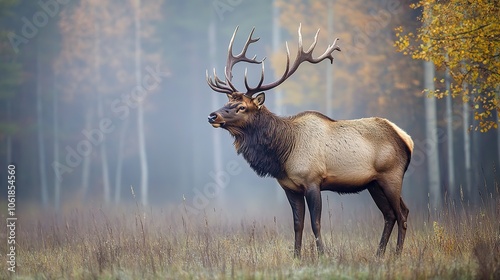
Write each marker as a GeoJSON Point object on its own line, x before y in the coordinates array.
{"type": "Point", "coordinates": [313, 197]}
{"type": "Point", "coordinates": [298, 209]}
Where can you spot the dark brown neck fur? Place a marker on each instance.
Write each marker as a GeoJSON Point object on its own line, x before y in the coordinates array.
{"type": "Point", "coordinates": [265, 143]}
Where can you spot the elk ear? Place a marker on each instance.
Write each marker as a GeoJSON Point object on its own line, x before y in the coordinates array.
{"type": "Point", "coordinates": [229, 96]}
{"type": "Point", "coordinates": [259, 100]}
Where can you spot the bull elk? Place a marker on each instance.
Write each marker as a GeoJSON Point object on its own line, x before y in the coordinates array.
{"type": "Point", "coordinates": [309, 152]}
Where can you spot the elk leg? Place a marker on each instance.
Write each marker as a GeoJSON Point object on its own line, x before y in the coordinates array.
{"type": "Point", "coordinates": [405, 212]}
{"type": "Point", "coordinates": [298, 210]}
{"type": "Point", "coordinates": [404, 208]}
{"type": "Point", "coordinates": [393, 194]}
{"type": "Point", "coordinates": [313, 198]}
{"type": "Point", "coordinates": [389, 216]}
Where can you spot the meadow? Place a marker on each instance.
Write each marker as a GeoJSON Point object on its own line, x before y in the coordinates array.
{"type": "Point", "coordinates": [458, 242]}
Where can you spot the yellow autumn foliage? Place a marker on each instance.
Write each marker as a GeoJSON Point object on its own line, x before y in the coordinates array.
{"type": "Point", "coordinates": [463, 36]}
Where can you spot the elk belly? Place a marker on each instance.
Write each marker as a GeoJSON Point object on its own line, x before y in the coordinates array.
{"type": "Point", "coordinates": [349, 174]}
{"type": "Point", "coordinates": [346, 185]}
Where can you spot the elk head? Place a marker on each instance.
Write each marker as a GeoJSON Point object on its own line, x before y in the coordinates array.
{"type": "Point", "coordinates": [243, 106]}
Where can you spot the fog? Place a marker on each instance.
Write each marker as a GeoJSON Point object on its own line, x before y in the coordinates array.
{"type": "Point", "coordinates": [112, 101]}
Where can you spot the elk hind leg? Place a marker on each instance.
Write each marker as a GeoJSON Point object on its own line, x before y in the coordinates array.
{"type": "Point", "coordinates": [404, 208]}
{"type": "Point", "coordinates": [389, 216]}
{"type": "Point", "coordinates": [392, 191]}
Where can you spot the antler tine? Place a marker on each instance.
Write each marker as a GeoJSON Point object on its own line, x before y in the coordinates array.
{"type": "Point", "coordinates": [233, 59]}
{"type": "Point", "coordinates": [327, 53]}
{"type": "Point", "coordinates": [246, 80]}
{"type": "Point", "coordinates": [218, 85]}
{"type": "Point", "coordinates": [300, 49]}
{"type": "Point", "coordinates": [313, 45]}
{"type": "Point", "coordinates": [218, 81]}
{"type": "Point", "coordinates": [227, 86]}
{"type": "Point", "coordinates": [251, 90]}
{"type": "Point", "coordinates": [230, 54]}
{"type": "Point", "coordinates": [228, 80]}
{"type": "Point", "coordinates": [301, 57]}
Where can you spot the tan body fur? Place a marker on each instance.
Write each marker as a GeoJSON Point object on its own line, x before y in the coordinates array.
{"type": "Point", "coordinates": [325, 154]}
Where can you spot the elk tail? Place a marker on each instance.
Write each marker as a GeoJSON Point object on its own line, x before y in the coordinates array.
{"type": "Point", "coordinates": [404, 136]}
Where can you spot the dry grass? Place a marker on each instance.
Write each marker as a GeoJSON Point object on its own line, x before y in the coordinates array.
{"type": "Point", "coordinates": [457, 243]}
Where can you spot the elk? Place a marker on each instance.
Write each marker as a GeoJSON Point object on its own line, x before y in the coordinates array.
{"type": "Point", "coordinates": [310, 152]}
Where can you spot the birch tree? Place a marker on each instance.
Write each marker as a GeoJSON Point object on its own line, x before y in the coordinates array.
{"type": "Point", "coordinates": [10, 79]}
{"type": "Point", "coordinates": [432, 152]}
{"type": "Point", "coordinates": [77, 44]}
{"type": "Point", "coordinates": [40, 129]}
{"type": "Point", "coordinates": [140, 109]}
{"type": "Point", "coordinates": [449, 139]}
{"type": "Point", "coordinates": [216, 136]}
{"type": "Point", "coordinates": [464, 37]}
{"type": "Point", "coordinates": [89, 31]}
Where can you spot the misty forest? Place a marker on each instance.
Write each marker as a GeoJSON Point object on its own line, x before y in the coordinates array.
{"type": "Point", "coordinates": [118, 172]}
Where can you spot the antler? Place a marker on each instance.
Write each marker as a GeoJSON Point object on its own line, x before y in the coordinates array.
{"type": "Point", "coordinates": [301, 57]}
{"type": "Point", "coordinates": [228, 87]}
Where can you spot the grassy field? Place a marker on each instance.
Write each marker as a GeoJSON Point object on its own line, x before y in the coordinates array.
{"type": "Point", "coordinates": [459, 242]}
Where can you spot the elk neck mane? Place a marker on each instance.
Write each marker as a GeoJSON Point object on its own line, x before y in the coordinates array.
{"type": "Point", "coordinates": [265, 143]}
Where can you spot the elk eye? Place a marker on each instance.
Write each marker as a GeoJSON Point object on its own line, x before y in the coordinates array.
{"type": "Point", "coordinates": [241, 108]}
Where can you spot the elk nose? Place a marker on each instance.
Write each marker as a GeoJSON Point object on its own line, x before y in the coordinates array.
{"type": "Point", "coordinates": [212, 117]}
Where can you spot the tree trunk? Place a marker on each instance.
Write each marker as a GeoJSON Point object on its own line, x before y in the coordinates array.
{"type": "Point", "coordinates": [9, 136]}
{"type": "Point", "coordinates": [498, 143]}
{"type": "Point", "coordinates": [104, 157]}
{"type": "Point", "coordinates": [119, 160]}
{"type": "Point", "coordinates": [467, 150]}
{"type": "Point", "coordinates": [97, 79]}
{"type": "Point", "coordinates": [216, 135]}
{"type": "Point", "coordinates": [140, 108]}
{"type": "Point", "coordinates": [86, 160]}
{"type": "Point", "coordinates": [278, 93]}
{"type": "Point", "coordinates": [55, 124]}
{"type": "Point", "coordinates": [432, 139]}
{"type": "Point", "coordinates": [498, 132]}
{"type": "Point", "coordinates": [41, 142]}
{"type": "Point", "coordinates": [329, 67]}
{"type": "Point", "coordinates": [449, 142]}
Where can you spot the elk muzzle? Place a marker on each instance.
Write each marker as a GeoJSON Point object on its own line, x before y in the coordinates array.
{"type": "Point", "coordinates": [215, 120]}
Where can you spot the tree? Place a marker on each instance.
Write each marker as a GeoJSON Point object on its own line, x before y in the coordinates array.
{"type": "Point", "coordinates": [432, 139]}
{"type": "Point", "coordinates": [89, 33]}
{"type": "Point", "coordinates": [10, 79]}
{"type": "Point", "coordinates": [464, 37]}
{"type": "Point", "coordinates": [136, 5]}
{"type": "Point", "coordinates": [449, 138]}
{"type": "Point", "coordinates": [40, 129]}
{"type": "Point", "coordinates": [105, 84]}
